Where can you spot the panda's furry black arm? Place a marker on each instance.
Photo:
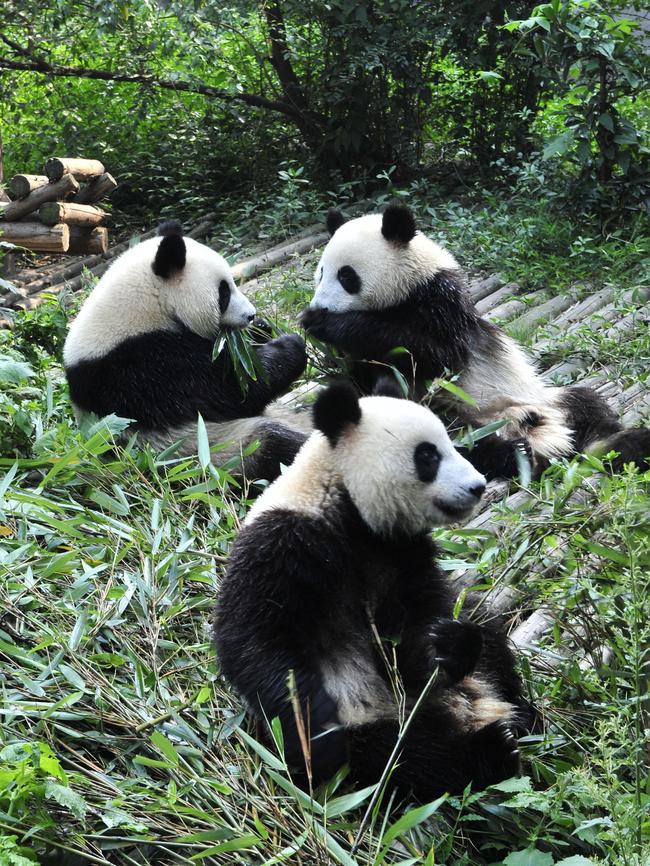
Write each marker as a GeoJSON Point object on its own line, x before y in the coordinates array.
{"type": "Point", "coordinates": [164, 378]}
{"type": "Point", "coordinates": [436, 328]}
{"type": "Point", "coordinates": [265, 630]}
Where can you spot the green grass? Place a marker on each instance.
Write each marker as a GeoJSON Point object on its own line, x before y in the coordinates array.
{"type": "Point", "coordinates": [119, 742]}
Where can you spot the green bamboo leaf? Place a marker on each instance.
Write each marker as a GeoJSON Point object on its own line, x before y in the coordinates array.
{"type": "Point", "coordinates": [411, 819]}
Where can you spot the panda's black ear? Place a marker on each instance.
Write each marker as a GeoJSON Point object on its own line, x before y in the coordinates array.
{"type": "Point", "coordinates": [388, 386]}
{"type": "Point", "coordinates": [334, 220]}
{"type": "Point", "coordinates": [171, 253]}
{"type": "Point", "coordinates": [336, 408]}
{"type": "Point", "coordinates": [170, 227]}
{"type": "Point", "coordinates": [398, 223]}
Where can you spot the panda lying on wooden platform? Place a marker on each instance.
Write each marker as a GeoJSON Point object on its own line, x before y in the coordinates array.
{"type": "Point", "coordinates": [141, 347]}
{"type": "Point", "coordinates": [381, 284]}
{"type": "Point", "coordinates": [334, 573]}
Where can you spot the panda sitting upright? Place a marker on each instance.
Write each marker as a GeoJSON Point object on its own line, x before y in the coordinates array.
{"type": "Point", "coordinates": [332, 584]}
{"type": "Point", "coordinates": [380, 284]}
{"type": "Point", "coordinates": [142, 344]}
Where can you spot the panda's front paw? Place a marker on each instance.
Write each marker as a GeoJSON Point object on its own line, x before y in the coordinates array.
{"type": "Point", "coordinates": [314, 321]}
{"type": "Point", "coordinates": [456, 647]}
{"type": "Point", "coordinates": [288, 353]}
{"type": "Point", "coordinates": [494, 753]}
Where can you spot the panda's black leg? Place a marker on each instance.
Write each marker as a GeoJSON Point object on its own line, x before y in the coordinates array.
{"type": "Point", "coordinates": [436, 756]}
{"type": "Point", "coordinates": [496, 457]}
{"type": "Point", "coordinates": [278, 447]}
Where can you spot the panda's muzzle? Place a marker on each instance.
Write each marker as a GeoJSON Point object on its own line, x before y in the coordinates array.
{"type": "Point", "coordinates": [464, 503]}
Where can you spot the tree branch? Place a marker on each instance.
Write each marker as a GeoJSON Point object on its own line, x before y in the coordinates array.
{"type": "Point", "coordinates": [281, 57]}
{"type": "Point", "coordinates": [252, 99]}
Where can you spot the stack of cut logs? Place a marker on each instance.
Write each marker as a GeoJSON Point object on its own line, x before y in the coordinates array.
{"type": "Point", "coordinates": [54, 212]}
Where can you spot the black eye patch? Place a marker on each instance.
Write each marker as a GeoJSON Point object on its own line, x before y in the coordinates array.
{"type": "Point", "coordinates": [224, 296]}
{"type": "Point", "coordinates": [427, 461]}
{"type": "Point", "coordinates": [349, 279]}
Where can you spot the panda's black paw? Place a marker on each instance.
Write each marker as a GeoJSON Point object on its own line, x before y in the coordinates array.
{"type": "Point", "coordinates": [456, 647]}
{"type": "Point", "coordinates": [495, 753]}
{"type": "Point", "coordinates": [314, 322]}
{"type": "Point", "coordinates": [261, 331]}
{"type": "Point", "coordinates": [288, 355]}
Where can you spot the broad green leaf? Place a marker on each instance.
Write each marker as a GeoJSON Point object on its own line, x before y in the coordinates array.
{"type": "Point", "coordinates": [203, 442]}
{"type": "Point", "coordinates": [238, 844]}
{"type": "Point", "coordinates": [14, 371]}
{"type": "Point", "coordinates": [300, 796]}
{"type": "Point", "coordinates": [558, 145]}
{"type": "Point", "coordinates": [529, 857]}
{"type": "Point", "coordinates": [576, 860]}
{"type": "Point", "coordinates": [348, 802]}
{"type": "Point", "coordinates": [66, 797]}
{"type": "Point", "coordinates": [411, 819]}
{"type": "Point", "coordinates": [165, 746]}
{"type": "Point", "coordinates": [456, 391]}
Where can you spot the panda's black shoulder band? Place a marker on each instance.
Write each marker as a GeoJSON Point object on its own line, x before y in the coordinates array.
{"type": "Point", "coordinates": [336, 408]}
{"type": "Point", "coordinates": [170, 227]}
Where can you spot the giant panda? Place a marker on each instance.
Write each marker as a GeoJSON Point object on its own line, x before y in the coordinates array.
{"type": "Point", "coordinates": [381, 284]}
{"type": "Point", "coordinates": [142, 344]}
{"type": "Point", "coordinates": [333, 581]}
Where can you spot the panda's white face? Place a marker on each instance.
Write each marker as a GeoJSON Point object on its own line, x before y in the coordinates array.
{"type": "Point", "coordinates": [196, 288]}
{"type": "Point", "coordinates": [203, 295]}
{"type": "Point", "coordinates": [393, 456]}
{"type": "Point", "coordinates": [361, 269]}
{"type": "Point", "coordinates": [401, 469]}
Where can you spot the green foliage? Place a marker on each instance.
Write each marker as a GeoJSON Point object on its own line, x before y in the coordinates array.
{"type": "Point", "coordinates": [593, 61]}
{"type": "Point", "coordinates": [212, 102]}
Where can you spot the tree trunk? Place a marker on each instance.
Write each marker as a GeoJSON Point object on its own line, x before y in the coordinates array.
{"type": "Point", "coordinates": [22, 184]}
{"type": "Point", "coordinates": [81, 169]}
{"type": "Point", "coordinates": [36, 236]}
{"type": "Point", "coordinates": [54, 212]}
{"type": "Point", "coordinates": [35, 199]}
{"type": "Point", "coordinates": [84, 241]}
{"type": "Point", "coordinates": [98, 188]}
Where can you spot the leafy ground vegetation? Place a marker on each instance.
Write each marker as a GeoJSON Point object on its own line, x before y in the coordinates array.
{"type": "Point", "coordinates": [119, 741]}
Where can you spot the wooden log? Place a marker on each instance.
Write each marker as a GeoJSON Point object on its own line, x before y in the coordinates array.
{"type": "Point", "coordinates": [247, 269]}
{"type": "Point", "coordinates": [35, 199]}
{"type": "Point", "coordinates": [21, 185]}
{"type": "Point", "coordinates": [88, 241]}
{"type": "Point", "coordinates": [37, 237]}
{"type": "Point", "coordinates": [80, 169]}
{"type": "Point", "coordinates": [71, 213]}
{"type": "Point", "coordinates": [98, 188]}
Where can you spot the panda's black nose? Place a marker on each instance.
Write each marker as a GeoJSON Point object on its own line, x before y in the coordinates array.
{"type": "Point", "coordinates": [251, 316]}
{"type": "Point", "coordinates": [478, 489]}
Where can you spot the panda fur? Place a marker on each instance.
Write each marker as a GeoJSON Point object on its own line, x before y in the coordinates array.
{"type": "Point", "coordinates": [381, 284]}
{"type": "Point", "coordinates": [141, 347]}
{"type": "Point", "coordinates": [333, 571]}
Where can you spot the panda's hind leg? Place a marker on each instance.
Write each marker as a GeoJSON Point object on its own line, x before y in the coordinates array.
{"type": "Point", "coordinates": [436, 756]}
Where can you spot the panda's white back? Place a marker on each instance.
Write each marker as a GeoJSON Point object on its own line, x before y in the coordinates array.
{"type": "Point", "coordinates": [130, 300]}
